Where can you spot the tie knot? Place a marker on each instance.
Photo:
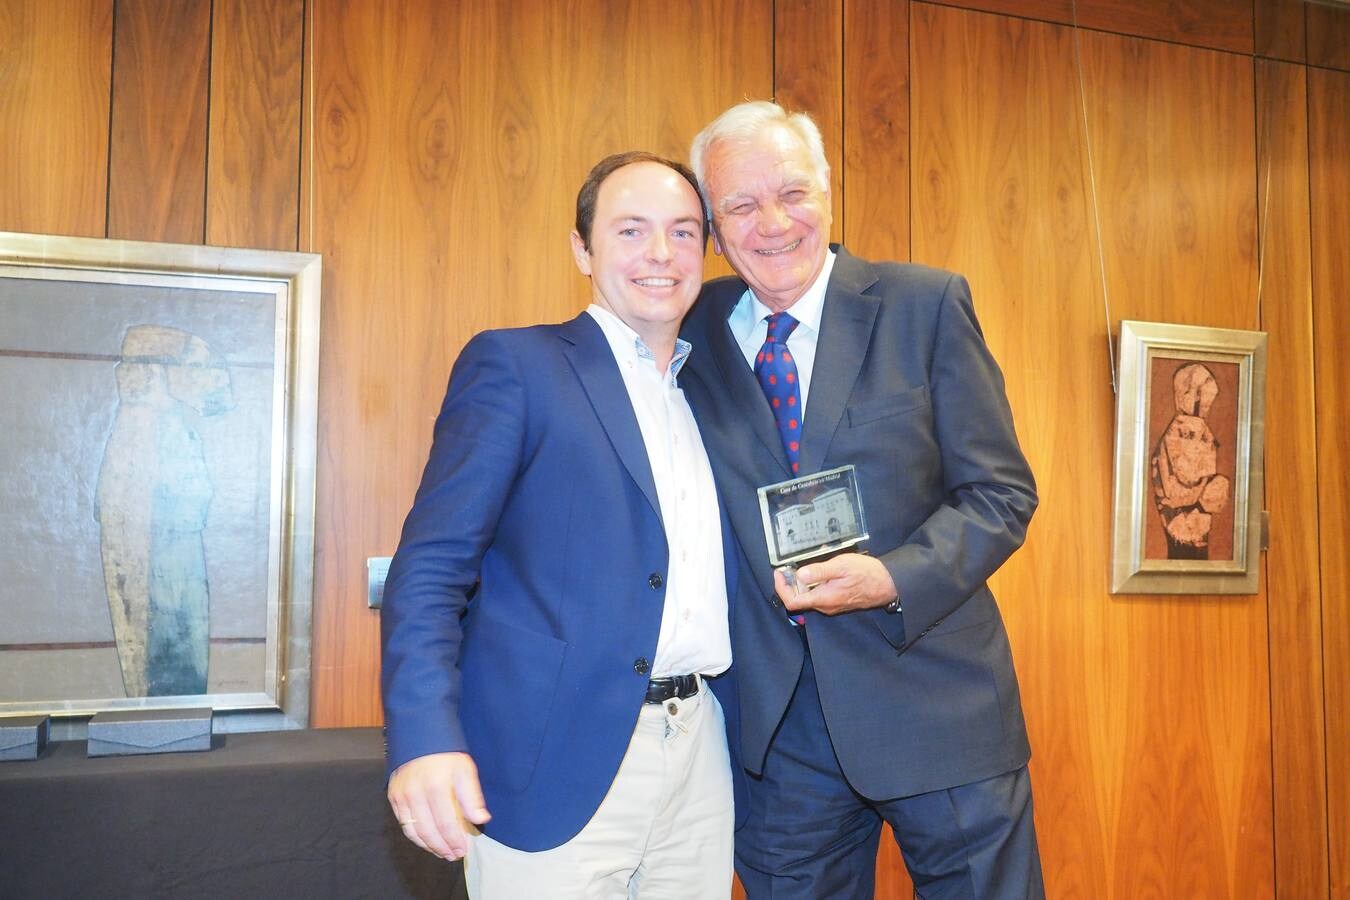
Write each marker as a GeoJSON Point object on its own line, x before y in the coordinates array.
{"type": "Point", "coordinates": [781, 325]}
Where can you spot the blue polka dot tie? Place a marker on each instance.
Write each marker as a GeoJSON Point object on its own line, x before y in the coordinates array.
{"type": "Point", "coordinates": [777, 374]}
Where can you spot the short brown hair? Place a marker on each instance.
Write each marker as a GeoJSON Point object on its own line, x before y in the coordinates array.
{"type": "Point", "coordinates": [590, 189]}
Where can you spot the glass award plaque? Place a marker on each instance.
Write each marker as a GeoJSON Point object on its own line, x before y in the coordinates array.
{"type": "Point", "coordinates": [812, 516]}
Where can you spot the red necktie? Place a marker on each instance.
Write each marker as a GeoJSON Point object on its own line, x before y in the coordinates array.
{"type": "Point", "coordinates": [777, 374]}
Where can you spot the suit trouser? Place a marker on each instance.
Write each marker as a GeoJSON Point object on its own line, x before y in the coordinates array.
{"type": "Point", "coordinates": [662, 831]}
{"type": "Point", "coordinates": [810, 835]}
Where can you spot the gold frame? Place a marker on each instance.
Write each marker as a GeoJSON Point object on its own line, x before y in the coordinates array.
{"type": "Point", "coordinates": [294, 280]}
{"type": "Point", "coordinates": [1131, 572]}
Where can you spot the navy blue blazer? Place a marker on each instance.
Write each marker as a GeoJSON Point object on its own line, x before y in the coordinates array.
{"type": "Point", "coordinates": [905, 389]}
{"type": "Point", "coordinates": [522, 608]}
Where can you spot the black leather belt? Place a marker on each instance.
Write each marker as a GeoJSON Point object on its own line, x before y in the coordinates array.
{"type": "Point", "coordinates": [659, 690]}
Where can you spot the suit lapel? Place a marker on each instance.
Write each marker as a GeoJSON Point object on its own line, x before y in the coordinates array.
{"type": "Point", "coordinates": [845, 332]}
{"type": "Point", "coordinates": [738, 379]}
{"type": "Point", "coordinates": [591, 358]}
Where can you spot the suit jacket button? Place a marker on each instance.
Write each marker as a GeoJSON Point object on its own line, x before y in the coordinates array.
{"type": "Point", "coordinates": [655, 581]}
{"type": "Point", "coordinates": [641, 666]}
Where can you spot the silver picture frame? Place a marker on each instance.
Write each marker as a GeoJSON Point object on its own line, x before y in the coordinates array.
{"type": "Point", "coordinates": [1188, 481]}
{"type": "Point", "coordinates": [161, 422]}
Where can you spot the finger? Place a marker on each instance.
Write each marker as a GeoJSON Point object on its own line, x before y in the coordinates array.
{"type": "Point", "coordinates": [407, 822]}
{"type": "Point", "coordinates": [429, 827]}
{"type": "Point", "coordinates": [450, 837]}
{"type": "Point", "coordinates": [829, 598]}
{"type": "Point", "coordinates": [810, 576]}
{"type": "Point", "coordinates": [469, 793]}
{"type": "Point", "coordinates": [787, 594]}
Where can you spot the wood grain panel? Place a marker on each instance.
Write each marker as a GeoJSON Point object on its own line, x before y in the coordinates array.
{"type": "Point", "coordinates": [1328, 36]}
{"type": "Point", "coordinates": [1171, 129]}
{"type": "Point", "coordinates": [1149, 716]}
{"type": "Point", "coordinates": [157, 171]}
{"type": "Point", "coordinates": [253, 175]}
{"type": "Point", "coordinates": [1220, 24]}
{"type": "Point", "coordinates": [1279, 27]}
{"type": "Point", "coordinates": [1293, 587]}
{"type": "Point", "coordinates": [876, 129]}
{"type": "Point", "coordinates": [445, 174]}
{"type": "Point", "coordinates": [1329, 171]}
{"type": "Point", "coordinates": [998, 192]}
{"type": "Point", "coordinates": [808, 75]}
{"type": "Point", "coordinates": [875, 176]}
{"type": "Point", "coordinates": [55, 69]}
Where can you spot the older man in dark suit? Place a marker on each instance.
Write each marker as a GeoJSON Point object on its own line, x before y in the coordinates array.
{"type": "Point", "coordinates": [880, 686]}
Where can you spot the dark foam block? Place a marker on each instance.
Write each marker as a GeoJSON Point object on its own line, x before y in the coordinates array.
{"type": "Point", "coordinates": [129, 732]}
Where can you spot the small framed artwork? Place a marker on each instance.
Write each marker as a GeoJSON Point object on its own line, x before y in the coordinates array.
{"type": "Point", "coordinates": [157, 434]}
{"type": "Point", "coordinates": [1190, 419]}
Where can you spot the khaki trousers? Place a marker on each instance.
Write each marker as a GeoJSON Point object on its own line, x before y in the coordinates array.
{"type": "Point", "coordinates": [664, 829]}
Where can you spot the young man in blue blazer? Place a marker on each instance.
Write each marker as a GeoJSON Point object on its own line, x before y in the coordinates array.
{"type": "Point", "coordinates": [555, 622]}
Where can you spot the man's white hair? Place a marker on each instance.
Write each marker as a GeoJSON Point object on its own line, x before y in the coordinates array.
{"type": "Point", "coordinates": [743, 121]}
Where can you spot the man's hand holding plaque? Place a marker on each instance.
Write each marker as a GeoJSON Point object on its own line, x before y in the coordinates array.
{"type": "Point", "coordinates": [842, 583]}
{"type": "Point", "coordinates": [810, 520]}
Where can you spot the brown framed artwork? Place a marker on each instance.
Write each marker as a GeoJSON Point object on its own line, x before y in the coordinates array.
{"type": "Point", "coordinates": [157, 433]}
{"type": "Point", "coordinates": [1190, 420]}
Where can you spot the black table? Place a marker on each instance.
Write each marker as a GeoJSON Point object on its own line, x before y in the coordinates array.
{"type": "Point", "coordinates": [287, 814]}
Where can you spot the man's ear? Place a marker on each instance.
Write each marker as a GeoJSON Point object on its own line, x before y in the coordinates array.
{"type": "Point", "coordinates": [717, 243]}
{"type": "Point", "coordinates": [581, 255]}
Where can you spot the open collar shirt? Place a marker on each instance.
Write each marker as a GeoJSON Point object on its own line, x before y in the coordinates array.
{"type": "Point", "coordinates": [694, 636]}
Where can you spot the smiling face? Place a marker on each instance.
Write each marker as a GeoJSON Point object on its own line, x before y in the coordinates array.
{"type": "Point", "coordinates": [645, 259]}
{"type": "Point", "coordinates": [771, 212]}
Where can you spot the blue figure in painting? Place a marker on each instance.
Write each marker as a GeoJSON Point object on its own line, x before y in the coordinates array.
{"type": "Point", "coordinates": [154, 493]}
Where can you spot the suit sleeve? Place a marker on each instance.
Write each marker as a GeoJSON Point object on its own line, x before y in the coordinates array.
{"type": "Point", "coordinates": [989, 491]}
{"type": "Point", "coordinates": [475, 456]}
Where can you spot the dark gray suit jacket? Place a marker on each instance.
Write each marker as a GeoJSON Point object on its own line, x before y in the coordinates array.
{"type": "Point", "coordinates": [905, 389]}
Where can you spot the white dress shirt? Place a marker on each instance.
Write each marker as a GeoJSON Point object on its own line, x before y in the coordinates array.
{"type": "Point", "coordinates": [694, 636]}
{"type": "Point", "coordinates": [748, 327]}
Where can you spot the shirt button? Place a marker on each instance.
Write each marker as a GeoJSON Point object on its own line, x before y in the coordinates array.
{"type": "Point", "coordinates": [654, 580]}
{"type": "Point", "coordinates": [641, 666]}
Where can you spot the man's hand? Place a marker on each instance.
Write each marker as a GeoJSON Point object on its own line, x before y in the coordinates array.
{"type": "Point", "coordinates": [436, 798]}
{"type": "Point", "coordinates": [842, 583]}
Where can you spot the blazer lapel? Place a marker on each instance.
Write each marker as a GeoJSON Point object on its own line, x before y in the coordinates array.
{"type": "Point", "coordinates": [738, 379]}
{"type": "Point", "coordinates": [592, 359]}
{"type": "Point", "coordinates": [845, 332]}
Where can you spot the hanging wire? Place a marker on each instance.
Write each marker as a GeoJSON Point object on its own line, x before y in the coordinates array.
{"type": "Point", "coordinates": [1092, 185]}
{"type": "Point", "coordinates": [1264, 107]}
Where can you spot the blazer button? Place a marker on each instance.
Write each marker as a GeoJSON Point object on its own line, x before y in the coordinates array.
{"type": "Point", "coordinates": [655, 581]}
{"type": "Point", "coordinates": [641, 666]}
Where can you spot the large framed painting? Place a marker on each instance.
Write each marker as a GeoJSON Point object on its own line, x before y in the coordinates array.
{"type": "Point", "coordinates": [157, 435]}
{"type": "Point", "coordinates": [1190, 421]}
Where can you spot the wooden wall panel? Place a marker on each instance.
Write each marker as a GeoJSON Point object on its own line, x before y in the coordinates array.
{"type": "Point", "coordinates": [1178, 215]}
{"type": "Point", "coordinates": [808, 75]}
{"type": "Point", "coordinates": [1293, 587]}
{"type": "Point", "coordinates": [1149, 716]}
{"type": "Point", "coordinates": [55, 71]}
{"type": "Point", "coordinates": [446, 169]}
{"type": "Point", "coordinates": [1329, 170]}
{"type": "Point", "coordinates": [1279, 29]}
{"type": "Point", "coordinates": [1220, 24]}
{"type": "Point", "coordinates": [875, 168]}
{"type": "Point", "coordinates": [1328, 36]}
{"type": "Point", "coordinates": [157, 168]}
{"type": "Point", "coordinates": [875, 175]}
{"type": "Point", "coordinates": [998, 192]}
{"type": "Point", "coordinates": [253, 175]}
